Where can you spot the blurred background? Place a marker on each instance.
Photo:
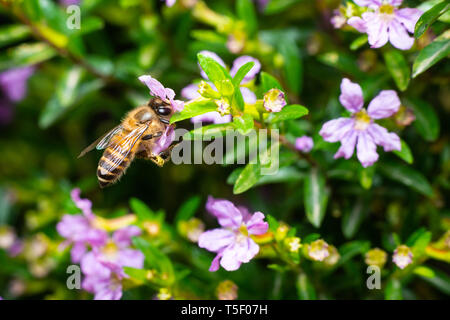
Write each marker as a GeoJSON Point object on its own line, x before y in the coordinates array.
{"type": "Point", "coordinates": [62, 88]}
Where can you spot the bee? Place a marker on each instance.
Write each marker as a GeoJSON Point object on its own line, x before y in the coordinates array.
{"type": "Point", "coordinates": [134, 137]}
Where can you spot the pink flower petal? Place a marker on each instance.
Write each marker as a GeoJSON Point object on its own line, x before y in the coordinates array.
{"type": "Point", "coordinates": [334, 130]}
{"type": "Point", "coordinates": [377, 29]}
{"type": "Point", "coordinates": [122, 237]}
{"type": "Point", "coordinates": [399, 37]}
{"type": "Point", "coordinates": [156, 88]}
{"type": "Point", "coordinates": [367, 3]}
{"type": "Point", "coordinates": [216, 239]}
{"type": "Point", "coordinates": [130, 258]}
{"type": "Point", "coordinates": [215, 264]}
{"type": "Point", "coordinates": [366, 149]}
{"type": "Point", "coordinates": [395, 3]}
{"type": "Point", "coordinates": [226, 213]}
{"type": "Point", "coordinates": [408, 17]}
{"type": "Point", "coordinates": [256, 225]}
{"type": "Point", "coordinates": [351, 96]}
{"type": "Point", "coordinates": [190, 92]}
{"type": "Point", "coordinates": [90, 265]}
{"type": "Point", "coordinates": [248, 95]}
{"type": "Point", "coordinates": [77, 252]}
{"type": "Point", "coordinates": [358, 23]}
{"type": "Point", "coordinates": [229, 259]}
{"type": "Point", "coordinates": [388, 140]}
{"type": "Point", "coordinates": [385, 104]}
{"type": "Point", "coordinates": [164, 141]}
{"type": "Point", "coordinates": [348, 142]}
{"type": "Point", "coordinates": [212, 116]}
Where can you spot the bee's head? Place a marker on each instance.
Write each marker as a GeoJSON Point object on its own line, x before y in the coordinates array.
{"type": "Point", "coordinates": [162, 108]}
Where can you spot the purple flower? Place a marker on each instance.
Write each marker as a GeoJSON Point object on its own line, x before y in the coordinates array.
{"type": "Point", "coordinates": [232, 243]}
{"type": "Point", "coordinates": [213, 117]}
{"type": "Point", "coordinates": [191, 91]}
{"type": "Point", "coordinates": [103, 266]}
{"type": "Point", "coordinates": [170, 3]}
{"type": "Point", "coordinates": [164, 141]}
{"type": "Point", "coordinates": [67, 3]}
{"type": "Point", "coordinates": [80, 230]}
{"type": "Point", "coordinates": [13, 82]}
{"type": "Point", "coordinates": [304, 144]}
{"type": "Point", "coordinates": [403, 256]}
{"type": "Point", "coordinates": [158, 90]}
{"type": "Point", "coordinates": [384, 21]}
{"type": "Point", "coordinates": [274, 100]}
{"type": "Point", "coordinates": [360, 129]}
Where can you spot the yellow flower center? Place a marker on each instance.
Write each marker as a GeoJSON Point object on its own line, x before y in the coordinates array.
{"type": "Point", "coordinates": [243, 230]}
{"type": "Point", "coordinates": [362, 120]}
{"type": "Point", "coordinates": [387, 8]}
{"type": "Point", "coordinates": [110, 250]}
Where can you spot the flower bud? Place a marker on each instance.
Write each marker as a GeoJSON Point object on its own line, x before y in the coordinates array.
{"type": "Point", "coordinates": [192, 229]}
{"type": "Point", "coordinates": [225, 87]}
{"type": "Point", "coordinates": [164, 294]}
{"type": "Point", "coordinates": [205, 90]}
{"type": "Point", "coordinates": [152, 227]}
{"type": "Point", "coordinates": [223, 107]}
{"type": "Point", "coordinates": [293, 244]}
{"type": "Point", "coordinates": [402, 256]}
{"type": "Point", "coordinates": [274, 100]}
{"type": "Point", "coordinates": [333, 257]}
{"type": "Point", "coordinates": [227, 290]}
{"type": "Point", "coordinates": [281, 232]}
{"type": "Point", "coordinates": [304, 144]}
{"type": "Point", "coordinates": [7, 237]}
{"type": "Point", "coordinates": [376, 257]}
{"type": "Point", "coordinates": [318, 250]}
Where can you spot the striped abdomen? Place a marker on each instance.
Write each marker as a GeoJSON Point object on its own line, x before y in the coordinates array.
{"type": "Point", "coordinates": [114, 161]}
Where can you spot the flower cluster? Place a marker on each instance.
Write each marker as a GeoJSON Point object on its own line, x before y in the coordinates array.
{"type": "Point", "coordinates": [103, 264]}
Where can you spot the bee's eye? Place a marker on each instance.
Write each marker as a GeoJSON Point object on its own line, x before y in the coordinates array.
{"type": "Point", "coordinates": [163, 111]}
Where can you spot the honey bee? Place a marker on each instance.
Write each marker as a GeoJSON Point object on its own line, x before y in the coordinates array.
{"type": "Point", "coordinates": [134, 137]}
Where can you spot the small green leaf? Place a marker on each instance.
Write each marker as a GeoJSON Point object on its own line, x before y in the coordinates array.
{"type": "Point", "coordinates": [315, 197]}
{"type": "Point", "coordinates": [187, 209]}
{"type": "Point", "coordinates": [398, 68]}
{"type": "Point", "coordinates": [142, 211]}
{"type": "Point", "coordinates": [269, 82]}
{"type": "Point", "coordinates": [341, 61]}
{"type": "Point", "coordinates": [241, 73]}
{"type": "Point", "coordinates": [393, 290]}
{"type": "Point", "coordinates": [407, 176]}
{"type": "Point", "coordinates": [213, 69]}
{"type": "Point", "coordinates": [246, 12]}
{"type": "Point", "coordinates": [277, 6]}
{"type": "Point", "coordinates": [208, 132]}
{"type": "Point", "coordinates": [305, 289]}
{"type": "Point", "coordinates": [436, 278]}
{"type": "Point", "coordinates": [427, 19]}
{"type": "Point", "coordinates": [359, 42]}
{"type": "Point", "coordinates": [194, 108]}
{"type": "Point", "coordinates": [12, 33]}
{"type": "Point", "coordinates": [293, 67]}
{"type": "Point", "coordinates": [366, 176]}
{"type": "Point", "coordinates": [26, 54]}
{"type": "Point", "coordinates": [427, 121]}
{"type": "Point", "coordinates": [432, 54]}
{"type": "Point", "coordinates": [405, 153]}
{"type": "Point", "coordinates": [352, 219]}
{"type": "Point", "coordinates": [289, 112]}
{"type": "Point", "coordinates": [247, 178]}
{"type": "Point", "coordinates": [244, 124]}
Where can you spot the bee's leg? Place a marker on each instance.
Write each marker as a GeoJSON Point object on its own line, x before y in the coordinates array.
{"type": "Point", "coordinates": [163, 157]}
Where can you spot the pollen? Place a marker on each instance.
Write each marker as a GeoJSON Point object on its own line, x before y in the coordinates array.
{"type": "Point", "coordinates": [243, 230]}
{"type": "Point", "coordinates": [362, 120]}
{"type": "Point", "coordinates": [387, 9]}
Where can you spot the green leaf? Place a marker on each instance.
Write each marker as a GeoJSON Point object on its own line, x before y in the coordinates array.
{"type": "Point", "coordinates": [213, 69]}
{"type": "Point", "coordinates": [13, 33]}
{"type": "Point", "coordinates": [269, 82]}
{"type": "Point", "coordinates": [142, 211]}
{"type": "Point", "coordinates": [351, 249]}
{"type": "Point", "coordinates": [366, 176]}
{"type": "Point", "coordinates": [436, 278]}
{"type": "Point", "coordinates": [293, 68]}
{"type": "Point", "coordinates": [247, 178]}
{"type": "Point", "coordinates": [289, 112]}
{"type": "Point", "coordinates": [341, 61]}
{"type": "Point", "coordinates": [305, 289]}
{"type": "Point", "coordinates": [418, 242]}
{"type": "Point", "coordinates": [244, 124]}
{"type": "Point", "coordinates": [398, 68]}
{"type": "Point", "coordinates": [393, 290]}
{"type": "Point", "coordinates": [246, 12]}
{"type": "Point", "coordinates": [352, 219]}
{"type": "Point", "coordinates": [432, 54]}
{"type": "Point", "coordinates": [25, 55]}
{"type": "Point", "coordinates": [209, 131]}
{"type": "Point", "coordinates": [405, 153]}
{"type": "Point", "coordinates": [194, 108]}
{"type": "Point", "coordinates": [277, 6]}
{"type": "Point", "coordinates": [241, 73]}
{"type": "Point", "coordinates": [315, 197]}
{"type": "Point", "coordinates": [359, 42]}
{"type": "Point", "coordinates": [187, 209]}
{"type": "Point", "coordinates": [66, 93]}
{"type": "Point", "coordinates": [427, 19]}
{"type": "Point", "coordinates": [407, 176]}
{"type": "Point", "coordinates": [426, 122]}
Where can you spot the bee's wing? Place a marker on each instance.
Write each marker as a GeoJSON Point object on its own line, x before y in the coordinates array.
{"type": "Point", "coordinates": [120, 148]}
{"type": "Point", "coordinates": [102, 142]}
